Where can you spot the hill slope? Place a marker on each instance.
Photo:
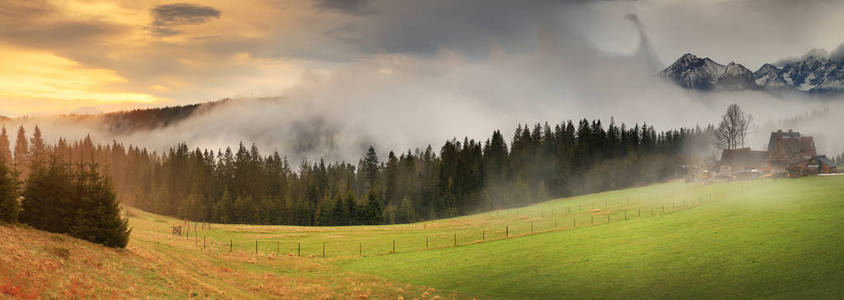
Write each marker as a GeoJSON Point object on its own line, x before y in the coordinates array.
{"type": "Point", "coordinates": [746, 239]}
{"type": "Point", "coordinates": [761, 239]}
{"type": "Point", "coordinates": [156, 264]}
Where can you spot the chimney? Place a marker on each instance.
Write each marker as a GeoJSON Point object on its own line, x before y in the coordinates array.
{"type": "Point", "coordinates": [789, 131]}
{"type": "Point", "coordinates": [779, 130]}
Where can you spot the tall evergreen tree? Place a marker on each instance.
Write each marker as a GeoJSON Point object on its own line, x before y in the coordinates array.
{"type": "Point", "coordinates": [49, 199]}
{"type": "Point", "coordinates": [9, 207]}
{"type": "Point", "coordinates": [98, 216]}
{"type": "Point", "coordinates": [21, 161]}
{"type": "Point", "coordinates": [5, 150]}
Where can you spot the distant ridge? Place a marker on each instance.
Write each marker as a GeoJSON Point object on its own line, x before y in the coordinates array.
{"type": "Point", "coordinates": [812, 74]}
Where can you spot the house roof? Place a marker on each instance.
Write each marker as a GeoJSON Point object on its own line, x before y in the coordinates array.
{"type": "Point", "coordinates": [807, 146]}
{"type": "Point", "coordinates": [788, 150]}
{"type": "Point", "coordinates": [824, 160]}
{"type": "Point", "coordinates": [742, 158]}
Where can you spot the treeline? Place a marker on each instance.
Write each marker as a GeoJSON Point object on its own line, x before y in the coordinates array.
{"type": "Point", "coordinates": [541, 162]}
{"type": "Point", "coordinates": [58, 195]}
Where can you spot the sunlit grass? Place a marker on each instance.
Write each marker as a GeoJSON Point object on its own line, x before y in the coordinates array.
{"type": "Point", "coordinates": [753, 239]}
{"type": "Point", "coordinates": [742, 239]}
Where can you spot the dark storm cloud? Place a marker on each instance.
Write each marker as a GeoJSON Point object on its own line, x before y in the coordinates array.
{"type": "Point", "coordinates": [425, 27]}
{"type": "Point", "coordinates": [167, 18]}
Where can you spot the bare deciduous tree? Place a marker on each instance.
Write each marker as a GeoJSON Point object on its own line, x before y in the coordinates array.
{"type": "Point", "coordinates": [734, 127]}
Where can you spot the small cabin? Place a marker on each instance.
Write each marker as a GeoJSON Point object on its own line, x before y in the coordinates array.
{"type": "Point", "coordinates": [820, 164]}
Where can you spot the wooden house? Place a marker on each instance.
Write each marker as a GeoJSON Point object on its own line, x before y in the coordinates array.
{"type": "Point", "coordinates": [820, 164]}
{"type": "Point", "coordinates": [742, 163]}
{"type": "Point", "coordinates": [789, 153]}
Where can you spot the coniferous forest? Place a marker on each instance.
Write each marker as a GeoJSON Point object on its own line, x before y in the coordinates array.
{"type": "Point", "coordinates": [58, 195]}
{"type": "Point", "coordinates": [241, 185]}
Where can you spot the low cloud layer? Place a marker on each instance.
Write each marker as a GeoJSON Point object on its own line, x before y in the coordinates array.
{"type": "Point", "coordinates": [401, 101]}
{"type": "Point", "coordinates": [328, 78]}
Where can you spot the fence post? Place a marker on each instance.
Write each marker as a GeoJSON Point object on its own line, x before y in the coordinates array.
{"type": "Point", "coordinates": [483, 235]}
{"type": "Point", "coordinates": [455, 239]}
{"type": "Point", "coordinates": [426, 242]}
{"type": "Point", "coordinates": [299, 249]}
{"type": "Point", "coordinates": [507, 231]}
{"type": "Point", "coordinates": [256, 246]}
{"type": "Point", "coordinates": [591, 219]}
{"type": "Point", "coordinates": [277, 247]}
{"type": "Point", "coordinates": [360, 249]}
{"type": "Point", "coordinates": [608, 218]}
{"type": "Point", "coordinates": [231, 246]}
{"type": "Point", "coordinates": [323, 249]}
{"type": "Point", "coordinates": [203, 242]}
{"type": "Point", "coordinates": [394, 246]}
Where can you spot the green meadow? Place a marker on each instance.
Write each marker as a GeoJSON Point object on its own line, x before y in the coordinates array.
{"type": "Point", "coordinates": [753, 239]}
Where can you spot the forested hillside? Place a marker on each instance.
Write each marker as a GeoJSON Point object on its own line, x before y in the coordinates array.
{"type": "Point", "coordinates": [242, 185]}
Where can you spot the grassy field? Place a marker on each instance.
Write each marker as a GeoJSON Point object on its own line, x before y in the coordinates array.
{"type": "Point", "coordinates": [745, 239]}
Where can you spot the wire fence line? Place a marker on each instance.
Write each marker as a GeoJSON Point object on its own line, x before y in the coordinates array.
{"type": "Point", "coordinates": [431, 237]}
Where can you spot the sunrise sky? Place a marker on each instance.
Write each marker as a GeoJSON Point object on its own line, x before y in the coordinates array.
{"type": "Point", "coordinates": [85, 55]}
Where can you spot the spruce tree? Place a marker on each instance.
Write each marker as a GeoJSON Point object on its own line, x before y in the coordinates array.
{"type": "Point", "coordinates": [373, 209]}
{"type": "Point", "coordinates": [48, 198]}
{"type": "Point", "coordinates": [21, 160]}
{"type": "Point", "coordinates": [352, 208]}
{"type": "Point", "coordinates": [340, 213]}
{"type": "Point", "coordinates": [8, 196]}
{"type": "Point", "coordinates": [98, 213]}
{"type": "Point", "coordinates": [5, 150]}
{"type": "Point", "coordinates": [223, 208]}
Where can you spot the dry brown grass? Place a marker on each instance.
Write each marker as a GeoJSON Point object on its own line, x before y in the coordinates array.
{"type": "Point", "coordinates": [37, 264]}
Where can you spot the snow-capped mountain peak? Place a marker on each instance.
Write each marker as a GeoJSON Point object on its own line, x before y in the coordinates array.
{"type": "Point", "coordinates": [693, 72]}
{"type": "Point", "coordinates": [814, 74]}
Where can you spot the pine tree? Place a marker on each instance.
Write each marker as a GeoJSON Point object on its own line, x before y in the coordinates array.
{"type": "Point", "coordinates": [193, 208]}
{"type": "Point", "coordinates": [240, 210]}
{"type": "Point", "coordinates": [406, 212]}
{"type": "Point", "coordinates": [340, 213]}
{"type": "Point", "coordinates": [373, 208]}
{"type": "Point", "coordinates": [21, 160]}
{"type": "Point", "coordinates": [98, 217]}
{"type": "Point", "coordinates": [49, 199]}
{"type": "Point", "coordinates": [224, 208]}
{"type": "Point", "coordinates": [352, 208]}
{"type": "Point", "coordinates": [369, 167]}
{"type": "Point", "coordinates": [324, 213]}
{"type": "Point", "coordinates": [9, 207]}
{"type": "Point", "coordinates": [5, 150]}
{"type": "Point", "coordinates": [38, 151]}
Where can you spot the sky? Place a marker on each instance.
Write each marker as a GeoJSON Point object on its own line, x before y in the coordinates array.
{"type": "Point", "coordinates": [65, 56]}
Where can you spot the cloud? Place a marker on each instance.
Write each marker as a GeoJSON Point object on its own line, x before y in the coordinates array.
{"type": "Point", "coordinates": [169, 17]}
{"type": "Point", "coordinates": [347, 6]}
